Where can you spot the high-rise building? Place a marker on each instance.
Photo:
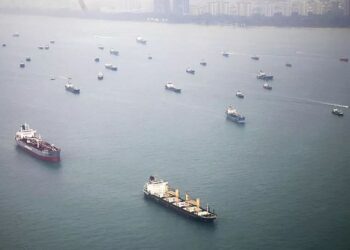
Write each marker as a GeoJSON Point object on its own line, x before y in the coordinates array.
{"type": "Point", "coordinates": [161, 6]}
{"type": "Point", "coordinates": [347, 7]}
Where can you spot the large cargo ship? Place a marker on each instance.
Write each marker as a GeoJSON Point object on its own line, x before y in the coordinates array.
{"type": "Point", "coordinates": [29, 140]}
{"type": "Point", "coordinates": [160, 191]}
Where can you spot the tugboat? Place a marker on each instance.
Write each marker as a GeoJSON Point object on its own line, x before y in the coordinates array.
{"type": "Point", "coordinates": [190, 71]}
{"type": "Point", "coordinates": [140, 40]}
{"type": "Point", "coordinates": [114, 52]}
{"type": "Point", "coordinates": [337, 112]}
{"type": "Point", "coordinates": [100, 76]}
{"type": "Point", "coordinates": [233, 115]}
{"type": "Point", "coordinates": [225, 54]}
{"type": "Point", "coordinates": [170, 86]}
{"type": "Point", "coordinates": [256, 58]}
{"type": "Point", "coordinates": [267, 86]}
{"type": "Point", "coordinates": [70, 87]}
{"type": "Point", "coordinates": [22, 65]}
{"type": "Point", "coordinates": [97, 59]}
{"type": "Point", "coordinates": [203, 63]}
{"type": "Point", "coordinates": [28, 140]}
{"type": "Point", "coordinates": [162, 193]}
{"type": "Point", "coordinates": [263, 76]}
{"type": "Point", "coordinates": [111, 67]}
{"type": "Point", "coordinates": [288, 65]}
{"type": "Point", "coordinates": [239, 94]}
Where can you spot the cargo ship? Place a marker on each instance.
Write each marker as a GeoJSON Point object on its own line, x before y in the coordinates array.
{"type": "Point", "coordinates": [28, 139]}
{"type": "Point", "coordinates": [161, 192]}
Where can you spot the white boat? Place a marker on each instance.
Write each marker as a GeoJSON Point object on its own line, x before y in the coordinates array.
{"type": "Point", "coordinates": [114, 52]}
{"type": "Point", "coordinates": [141, 40]}
{"type": "Point", "coordinates": [100, 76]}
{"type": "Point", "coordinates": [111, 67]}
{"type": "Point", "coordinates": [171, 86]}
{"type": "Point", "coordinates": [267, 86]}
{"type": "Point", "coordinates": [239, 94]}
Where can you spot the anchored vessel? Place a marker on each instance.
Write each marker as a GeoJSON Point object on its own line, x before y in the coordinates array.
{"type": "Point", "coordinates": [111, 67]}
{"type": "Point", "coordinates": [344, 59]}
{"type": "Point", "coordinates": [22, 65]}
{"type": "Point", "coordinates": [263, 76]}
{"type": "Point", "coordinates": [225, 54]}
{"type": "Point", "coordinates": [114, 52]}
{"type": "Point", "coordinates": [28, 139]}
{"type": "Point", "coordinates": [256, 58]}
{"type": "Point", "coordinates": [190, 71]}
{"type": "Point", "coordinates": [171, 86]}
{"type": "Point", "coordinates": [161, 192]}
{"type": "Point", "coordinates": [70, 87]}
{"type": "Point", "coordinates": [203, 63]}
{"type": "Point", "coordinates": [100, 76]}
{"type": "Point", "coordinates": [141, 40]}
{"type": "Point", "coordinates": [239, 94]}
{"type": "Point", "coordinates": [267, 86]}
{"type": "Point", "coordinates": [233, 115]}
{"type": "Point", "coordinates": [288, 65]}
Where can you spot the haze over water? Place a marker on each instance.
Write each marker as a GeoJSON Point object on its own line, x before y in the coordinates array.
{"type": "Point", "coordinates": [281, 181]}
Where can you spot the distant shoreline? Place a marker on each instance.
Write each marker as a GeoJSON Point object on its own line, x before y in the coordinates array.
{"type": "Point", "coordinates": [311, 21]}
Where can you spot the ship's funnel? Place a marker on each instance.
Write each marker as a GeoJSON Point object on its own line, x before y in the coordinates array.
{"type": "Point", "coordinates": [187, 197]}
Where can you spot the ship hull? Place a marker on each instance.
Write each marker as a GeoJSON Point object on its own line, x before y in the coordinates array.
{"type": "Point", "coordinates": [235, 119]}
{"type": "Point", "coordinates": [50, 156]}
{"type": "Point", "coordinates": [178, 209]}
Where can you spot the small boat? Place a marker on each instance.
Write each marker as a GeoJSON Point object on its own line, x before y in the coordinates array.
{"type": "Point", "coordinates": [170, 86]}
{"type": "Point", "coordinates": [225, 54]}
{"type": "Point", "coordinates": [47, 47]}
{"type": "Point", "coordinates": [256, 58]}
{"type": "Point", "coordinates": [288, 65]}
{"type": "Point", "coordinates": [97, 59]}
{"type": "Point", "coordinates": [114, 52]}
{"type": "Point", "coordinates": [233, 115]}
{"type": "Point", "coordinates": [263, 76]}
{"type": "Point", "coordinates": [337, 112]}
{"type": "Point", "coordinates": [344, 59]}
{"type": "Point", "coordinates": [111, 67]}
{"type": "Point", "coordinates": [100, 76]}
{"type": "Point", "coordinates": [28, 59]}
{"type": "Point", "coordinates": [190, 71]}
{"type": "Point", "coordinates": [52, 41]}
{"type": "Point", "coordinates": [71, 88]}
{"type": "Point", "coordinates": [239, 94]}
{"type": "Point", "coordinates": [150, 57]}
{"type": "Point", "coordinates": [15, 35]}
{"type": "Point", "coordinates": [101, 47]}
{"type": "Point", "coordinates": [4, 45]}
{"type": "Point", "coordinates": [267, 86]}
{"type": "Point", "coordinates": [52, 78]}
{"type": "Point", "coordinates": [40, 47]}
{"type": "Point", "coordinates": [22, 65]}
{"type": "Point", "coordinates": [141, 40]}
{"type": "Point", "coordinates": [203, 63]}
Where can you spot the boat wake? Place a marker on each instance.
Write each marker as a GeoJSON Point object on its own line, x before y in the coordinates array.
{"type": "Point", "coordinates": [305, 100]}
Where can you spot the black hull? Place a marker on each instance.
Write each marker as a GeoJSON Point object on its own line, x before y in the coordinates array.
{"type": "Point", "coordinates": [178, 209]}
